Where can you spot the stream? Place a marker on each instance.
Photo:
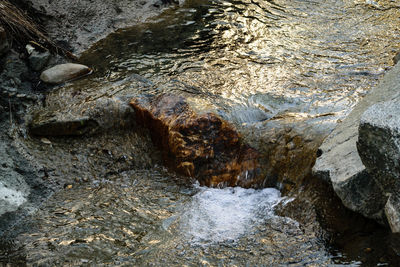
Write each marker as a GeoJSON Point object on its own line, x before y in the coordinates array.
{"type": "Point", "coordinates": [284, 72]}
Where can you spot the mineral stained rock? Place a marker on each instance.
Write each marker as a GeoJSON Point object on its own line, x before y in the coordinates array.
{"type": "Point", "coordinates": [202, 146]}
{"type": "Point", "coordinates": [64, 72]}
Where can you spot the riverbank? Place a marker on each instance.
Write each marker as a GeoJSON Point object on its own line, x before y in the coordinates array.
{"type": "Point", "coordinates": [26, 182]}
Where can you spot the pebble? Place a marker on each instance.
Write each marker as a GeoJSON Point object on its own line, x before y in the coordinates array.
{"type": "Point", "coordinates": [45, 141]}
{"type": "Point", "coordinates": [291, 146]}
{"type": "Point", "coordinates": [64, 72]}
{"type": "Point", "coordinates": [29, 49]}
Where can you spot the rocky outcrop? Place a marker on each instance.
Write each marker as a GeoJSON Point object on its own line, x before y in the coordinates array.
{"type": "Point", "coordinates": [64, 72]}
{"type": "Point", "coordinates": [202, 146]}
{"type": "Point", "coordinates": [339, 161]}
{"type": "Point", "coordinates": [379, 148]}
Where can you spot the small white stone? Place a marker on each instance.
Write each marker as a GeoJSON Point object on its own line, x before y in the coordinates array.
{"type": "Point", "coordinates": [45, 141]}
{"type": "Point", "coordinates": [29, 49]}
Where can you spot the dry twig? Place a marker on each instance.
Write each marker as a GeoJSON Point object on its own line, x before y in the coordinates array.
{"type": "Point", "coordinates": [22, 29]}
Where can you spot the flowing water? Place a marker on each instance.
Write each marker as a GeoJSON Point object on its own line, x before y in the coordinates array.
{"type": "Point", "coordinates": [258, 64]}
{"type": "Point", "coordinates": [251, 60]}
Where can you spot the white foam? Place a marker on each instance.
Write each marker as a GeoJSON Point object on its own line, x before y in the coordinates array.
{"type": "Point", "coordinates": [216, 215]}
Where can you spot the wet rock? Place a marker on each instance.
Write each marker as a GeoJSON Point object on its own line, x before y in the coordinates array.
{"type": "Point", "coordinates": [340, 164]}
{"type": "Point", "coordinates": [379, 148]}
{"type": "Point", "coordinates": [57, 124]}
{"type": "Point", "coordinates": [4, 45]}
{"type": "Point", "coordinates": [82, 118]}
{"type": "Point", "coordinates": [38, 60]}
{"type": "Point", "coordinates": [64, 72]}
{"type": "Point", "coordinates": [198, 145]}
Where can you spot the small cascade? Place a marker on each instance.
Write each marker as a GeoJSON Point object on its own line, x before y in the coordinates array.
{"type": "Point", "coordinates": [224, 215]}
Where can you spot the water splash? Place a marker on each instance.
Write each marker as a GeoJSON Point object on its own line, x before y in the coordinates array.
{"type": "Point", "coordinates": [218, 215]}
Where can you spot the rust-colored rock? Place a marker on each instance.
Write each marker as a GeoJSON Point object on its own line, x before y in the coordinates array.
{"type": "Point", "coordinates": [202, 146]}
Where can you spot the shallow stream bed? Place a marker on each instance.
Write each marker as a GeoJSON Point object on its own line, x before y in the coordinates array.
{"type": "Point", "coordinates": [283, 72]}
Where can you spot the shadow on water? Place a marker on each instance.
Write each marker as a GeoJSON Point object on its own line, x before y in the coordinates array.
{"type": "Point", "coordinates": [283, 72]}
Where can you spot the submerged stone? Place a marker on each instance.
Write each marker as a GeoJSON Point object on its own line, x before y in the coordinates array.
{"type": "Point", "coordinates": [64, 72]}
{"type": "Point", "coordinates": [197, 145]}
{"type": "Point", "coordinates": [82, 118]}
{"type": "Point", "coordinates": [54, 124]}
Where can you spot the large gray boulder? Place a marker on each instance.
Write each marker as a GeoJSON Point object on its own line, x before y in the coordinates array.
{"type": "Point", "coordinates": [340, 164]}
{"type": "Point", "coordinates": [379, 148]}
